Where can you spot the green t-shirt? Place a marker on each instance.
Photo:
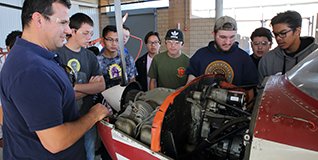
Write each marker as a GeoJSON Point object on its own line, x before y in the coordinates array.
{"type": "Point", "coordinates": [169, 72]}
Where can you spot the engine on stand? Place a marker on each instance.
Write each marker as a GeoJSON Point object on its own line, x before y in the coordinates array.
{"type": "Point", "coordinates": [208, 119]}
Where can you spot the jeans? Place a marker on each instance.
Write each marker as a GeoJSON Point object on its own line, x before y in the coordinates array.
{"type": "Point", "coordinates": [90, 140]}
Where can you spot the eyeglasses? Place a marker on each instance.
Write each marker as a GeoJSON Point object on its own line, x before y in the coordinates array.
{"type": "Point", "coordinates": [153, 43]}
{"type": "Point", "coordinates": [70, 73]}
{"type": "Point", "coordinates": [263, 43]}
{"type": "Point", "coordinates": [111, 40]}
{"type": "Point", "coordinates": [282, 34]}
{"type": "Point", "coordinates": [86, 33]}
{"type": "Point", "coordinates": [171, 42]}
{"type": "Point", "coordinates": [57, 20]}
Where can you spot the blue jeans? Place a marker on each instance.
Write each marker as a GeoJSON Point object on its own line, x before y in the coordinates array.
{"type": "Point", "coordinates": [90, 140]}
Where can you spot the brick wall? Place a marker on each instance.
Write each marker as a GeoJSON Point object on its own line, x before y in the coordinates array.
{"type": "Point", "coordinates": [104, 21]}
{"type": "Point", "coordinates": [162, 25]}
{"type": "Point", "coordinates": [197, 32]}
{"type": "Point", "coordinates": [179, 17]}
{"type": "Point", "coordinates": [88, 1]}
{"type": "Point", "coordinates": [107, 2]}
{"type": "Point", "coordinates": [200, 33]}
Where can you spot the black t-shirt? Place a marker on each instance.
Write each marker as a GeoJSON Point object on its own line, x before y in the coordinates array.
{"type": "Point", "coordinates": [85, 65]}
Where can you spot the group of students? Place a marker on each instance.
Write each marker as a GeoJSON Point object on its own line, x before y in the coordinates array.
{"type": "Point", "coordinates": [223, 56]}
{"type": "Point", "coordinates": [41, 115]}
{"type": "Point", "coordinates": [50, 112]}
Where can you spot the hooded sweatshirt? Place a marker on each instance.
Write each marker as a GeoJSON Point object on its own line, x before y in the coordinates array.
{"type": "Point", "coordinates": [235, 64]}
{"type": "Point", "coordinates": [277, 61]}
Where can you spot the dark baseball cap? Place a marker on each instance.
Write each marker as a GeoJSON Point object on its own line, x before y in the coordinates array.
{"type": "Point", "coordinates": [174, 34]}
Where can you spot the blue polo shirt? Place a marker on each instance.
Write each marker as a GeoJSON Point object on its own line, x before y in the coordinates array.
{"type": "Point", "coordinates": [36, 94]}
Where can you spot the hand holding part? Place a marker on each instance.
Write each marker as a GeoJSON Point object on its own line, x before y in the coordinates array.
{"type": "Point", "coordinates": [100, 111]}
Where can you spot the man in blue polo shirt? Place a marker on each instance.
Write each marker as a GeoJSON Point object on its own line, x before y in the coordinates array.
{"type": "Point", "coordinates": [41, 119]}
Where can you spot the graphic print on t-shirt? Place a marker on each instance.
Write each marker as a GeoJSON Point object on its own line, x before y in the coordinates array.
{"type": "Point", "coordinates": [221, 68]}
{"type": "Point", "coordinates": [76, 67]}
{"type": "Point", "coordinates": [181, 72]}
{"type": "Point", "coordinates": [74, 64]}
{"type": "Point", "coordinates": [114, 71]}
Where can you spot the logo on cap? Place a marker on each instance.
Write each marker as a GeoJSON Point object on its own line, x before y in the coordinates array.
{"type": "Point", "coordinates": [174, 34]}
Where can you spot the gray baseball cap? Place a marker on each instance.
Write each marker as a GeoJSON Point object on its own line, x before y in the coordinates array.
{"type": "Point", "coordinates": [225, 23]}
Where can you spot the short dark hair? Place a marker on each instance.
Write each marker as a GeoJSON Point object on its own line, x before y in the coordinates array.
{"type": "Point", "coordinates": [126, 28]}
{"type": "Point", "coordinates": [109, 28]}
{"type": "Point", "coordinates": [291, 18]}
{"type": "Point", "coordinates": [262, 32]}
{"type": "Point", "coordinates": [11, 37]}
{"type": "Point", "coordinates": [94, 49]}
{"type": "Point", "coordinates": [78, 19]}
{"type": "Point", "coordinates": [151, 33]}
{"type": "Point", "coordinates": [43, 7]}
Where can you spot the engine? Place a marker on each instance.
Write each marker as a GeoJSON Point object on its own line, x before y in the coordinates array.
{"type": "Point", "coordinates": [141, 108]}
{"type": "Point", "coordinates": [207, 120]}
{"type": "Point", "coordinates": [219, 123]}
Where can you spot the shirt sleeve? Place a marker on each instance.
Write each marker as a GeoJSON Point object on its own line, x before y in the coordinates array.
{"type": "Point", "coordinates": [153, 70]}
{"type": "Point", "coordinates": [261, 70]}
{"type": "Point", "coordinates": [250, 73]}
{"type": "Point", "coordinates": [193, 67]}
{"type": "Point", "coordinates": [95, 65]}
{"type": "Point", "coordinates": [131, 68]}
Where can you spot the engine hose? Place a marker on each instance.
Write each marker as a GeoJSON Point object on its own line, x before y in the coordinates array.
{"type": "Point", "coordinates": [233, 108]}
{"type": "Point", "coordinates": [247, 86]}
{"type": "Point", "coordinates": [229, 134]}
{"type": "Point", "coordinates": [204, 105]}
{"type": "Point", "coordinates": [214, 134]}
{"type": "Point", "coordinates": [138, 127]}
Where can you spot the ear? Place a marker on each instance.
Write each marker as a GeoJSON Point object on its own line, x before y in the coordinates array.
{"type": "Point", "coordinates": [298, 31]}
{"type": "Point", "coordinates": [213, 33]}
{"type": "Point", "coordinates": [102, 42]}
{"type": "Point", "coordinates": [37, 19]}
{"type": "Point", "coordinates": [73, 31]}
